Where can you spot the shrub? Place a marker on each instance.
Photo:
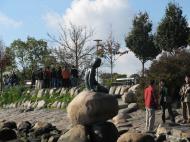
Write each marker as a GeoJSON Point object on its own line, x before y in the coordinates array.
{"type": "Point", "coordinates": [12, 94]}
{"type": "Point", "coordinates": [172, 68]}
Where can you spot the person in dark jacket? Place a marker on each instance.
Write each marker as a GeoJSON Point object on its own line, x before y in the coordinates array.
{"type": "Point", "coordinates": [53, 78]}
{"type": "Point", "coordinates": [47, 77]}
{"type": "Point", "coordinates": [33, 78]}
{"type": "Point", "coordinates": [59, 77]}
{"type": "Point", "coordinates": [74, 76]}
{"type": "Point", "coordinates": [90, 80]}
{"type": "Point", "coordinates": [165, 102]}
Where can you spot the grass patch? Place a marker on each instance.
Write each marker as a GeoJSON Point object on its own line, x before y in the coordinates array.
{"type": "Point", "coordinates": [19, 93]}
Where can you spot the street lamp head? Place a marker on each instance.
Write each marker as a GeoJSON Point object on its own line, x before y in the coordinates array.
{"type": "Point", "coordinates": [97, 40]}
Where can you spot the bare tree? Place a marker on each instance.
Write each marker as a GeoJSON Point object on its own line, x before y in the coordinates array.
{"type": "Point", "coordinates": [72, 45]}
{"type": "Point", "coordinates": [111, 51]}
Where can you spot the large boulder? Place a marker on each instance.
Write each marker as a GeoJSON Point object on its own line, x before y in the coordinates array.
{"type": "Point", "coordinates": [59, 105]}
{"type": "Point", "coordinates": [104, 132]}
{"type": "Point", "coordinates": [58, 91]}
{"type": "Point", "coordinates": [124, 89]}
{"type": "Point", "coordinates": [72, 91]}
{"type": "Point", "coordinates": [40, 93]}
{"type": "Point", "coordinates": [161, 130]}
{"type": "Point", "coordinates": [9, 124]}
{"type": "Point", "coordinates": [7, 134]}
{"type": "Point", "coordinates": [63, 91]}
{"type": "Point", "coordinates": [131, 108]}
{"type": "Point", "coordinates": [75, 134]}
{"type": "Point", "coordinates": [54, 105]}
{"type": "Point", "coordinates": [135, 137]}
{"type": "Point", "coordinates": [129, 97]}
{"type": "Point", "coordinates": [77, 90]}
{"type": "Point", "coordinates": [133, 88]}
{"type": "Point", "coordinates": [41, 104]}
{"type": "Point", "coordinates": [51, 92]}
{"type": "Point", "coordinates": [41, 128]}
{"type": "Point", "coordinates": [122, 104]}
{"type": "Point", "coordinates": [90, 107]}
{"type": "Point", "coordinates": [54, 138]}
{"type": "Point", "coordinates": [117, 90]}
{"type": "Point", "coordinates": [181, 132]}
{"type": "Point", "coordinates": [121, 118]}
{"type": "Point", "coordinates": [112, 90]}
{"type": "Point", "coordinates": [23, 128]}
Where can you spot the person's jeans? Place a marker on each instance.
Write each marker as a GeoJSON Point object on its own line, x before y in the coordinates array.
{"type": "Point", "coordinates": [74, 81]}
{"type": "Point", "coordinates": [54, 82]}
{"type": "Point", "coordinates": [164, 107]}
{"type": "Point", "coordinates": [186, 110]}
{"type": "Point", "coordinates": [150, 119]}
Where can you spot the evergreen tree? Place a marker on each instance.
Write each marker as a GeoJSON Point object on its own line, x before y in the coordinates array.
{"type": "Point", "coordinates": [141, 41]}
{"type": "Point", "coordinates": [173, 31]}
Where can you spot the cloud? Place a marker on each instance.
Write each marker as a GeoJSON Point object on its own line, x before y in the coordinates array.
{"type": "Point", "coordinates": [8, 22]}
{"type": "Point", "coordinates": [102, 16]}
{"type": "Point", "coordinates": [53, 19]}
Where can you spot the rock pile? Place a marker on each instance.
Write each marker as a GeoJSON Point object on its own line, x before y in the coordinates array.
{"type": "Point", "coordinates": [88, 113]}
{"type": "Point", "coordinates": [27, 132]}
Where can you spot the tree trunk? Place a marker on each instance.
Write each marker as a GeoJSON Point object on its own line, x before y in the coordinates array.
{"type": "Point", "coordinates": [111, 63]}
{"type": "Point", "coordinates": [1, 77]}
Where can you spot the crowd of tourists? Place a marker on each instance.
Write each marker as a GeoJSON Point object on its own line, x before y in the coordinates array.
{"type": "Point", "coordinates": [165, 100]}
{"type": "Point", "coordinates": [55, 77]}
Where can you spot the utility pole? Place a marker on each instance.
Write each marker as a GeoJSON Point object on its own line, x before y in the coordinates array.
{"type": "Point", "coordinates": [97, 45]}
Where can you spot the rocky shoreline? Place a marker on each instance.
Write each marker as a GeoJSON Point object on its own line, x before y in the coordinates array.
{"type": "Point", "coordinates": [90, 117]}
{"type": "Point", "coordinates": [58, 119]}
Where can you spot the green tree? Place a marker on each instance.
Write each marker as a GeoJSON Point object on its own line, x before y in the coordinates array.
{"type": "Point", "coordinates": [9, 59]}
{"type": "Point", "coordinates": [38, 52]}
{"type": "Point", "coordinates": [173, 31]}
{"type": "Point", "coordinates": [31, 54]}
{"type": "Point", "coordinates": [141, 41]}
{"type": "Point", "coordinates": [20, 51]}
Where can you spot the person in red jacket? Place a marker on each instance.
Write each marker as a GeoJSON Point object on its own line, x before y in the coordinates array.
{"type": "Point", "coordinates": [150, 105]}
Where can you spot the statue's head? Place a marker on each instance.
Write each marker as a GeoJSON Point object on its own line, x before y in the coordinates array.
{"type": "Point", "coordinates": [96, 62]}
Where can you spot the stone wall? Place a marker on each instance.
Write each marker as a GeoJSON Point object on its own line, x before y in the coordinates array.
{"type": "Point", "coordinates": [45, 98]}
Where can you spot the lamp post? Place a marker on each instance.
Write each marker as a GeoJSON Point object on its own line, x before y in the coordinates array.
{"type": "Point", "coordinates": [1, 73]}
{"type": "Point", "coordinates": [97, 45]}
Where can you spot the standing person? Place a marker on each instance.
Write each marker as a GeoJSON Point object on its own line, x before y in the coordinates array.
{"type": "Point", "coordinates": [165, 101]}
{"type": "Point", "coordinates": [59, 77]}
{"type": "Point", "coordinates": [74, 76]}
{"type": "Point", "coordinates": [33, 78]}
{"type": "Point", "coordinates": [185, 99]}
{"type": "Point", "coordinates": [151, 105]}
{"type": "Point", "coordinates": [66, 77]}
{"type": "Point", "coordinates": [47, 77]}
{"type": "Point", "coordinates": [14, 79]}
{"type": "Point", "coordinates": [53, 78]}
{"type": "Point", "coordinates": [39, 80]}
